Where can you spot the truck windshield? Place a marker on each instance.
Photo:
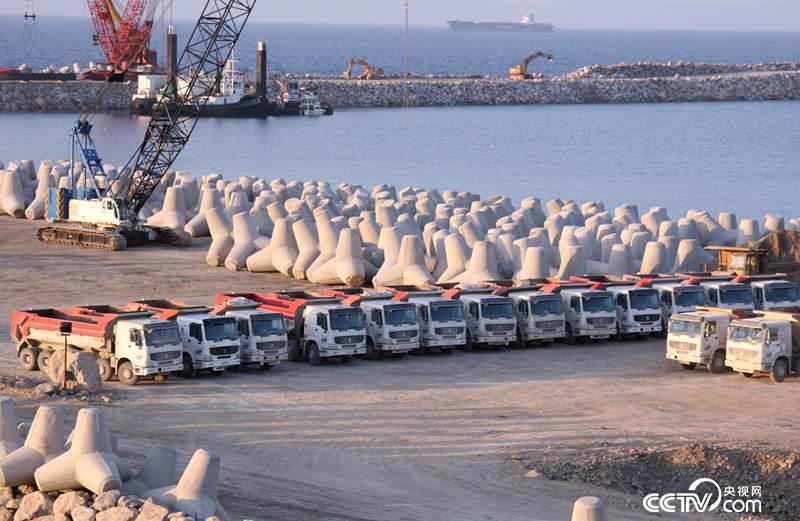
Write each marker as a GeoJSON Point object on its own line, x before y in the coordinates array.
{"type": "Point", "coordinates": [497, 310]}
{"type": "Point", "coordinates": [397, 315]}
{"type": "Point", "coordinates": [264, 326]}
{"type": "Point", "coordinates": [342, 319]}
{"type": "Point", "coordinates": [162, 336]}
{"type": "Point", "coordinates": [447, 312]}
{"type": "Point", "coordinates": [595, 303]}
{"type": "Point", "coordinates": [685, 327]}
{"type": "Point", "coordinates": [736, 296]}
{"type": "Point", "coordinates": [751, 335]}
{"type": "Point", "coordinates": [689, 298]}
{"type": "Point", "coordinates": [644, 299]}
{"type": "Point", "coordinates": [220, 328]}
{"type": "Point", "coordinates": [548, 307]}
{"type": "Point", "coordinates": [782, 294]}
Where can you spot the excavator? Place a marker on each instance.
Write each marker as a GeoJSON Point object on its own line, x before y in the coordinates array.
{"type": "Point", "coordinates": [370, 72]}
{"type": "Point", "coordinates": [520, 72]}
{"type": "Point", "coordinates": [108, 218]}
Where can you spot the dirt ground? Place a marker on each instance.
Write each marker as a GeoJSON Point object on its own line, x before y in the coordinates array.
{"type": "Point", "coordinates": [421, 438]}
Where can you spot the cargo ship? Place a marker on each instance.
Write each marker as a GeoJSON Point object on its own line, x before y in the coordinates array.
{"type": "Point", "coordinates": [527, 25]}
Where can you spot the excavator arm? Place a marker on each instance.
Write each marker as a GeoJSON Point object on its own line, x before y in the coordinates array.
{"type": "Point", "coordinates": [520, 72]}
{"type": "Point", "coordinates": [370, 72]}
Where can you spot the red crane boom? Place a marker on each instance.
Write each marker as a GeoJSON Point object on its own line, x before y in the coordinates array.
{"type": "Point", "coordinates": [126, 37]}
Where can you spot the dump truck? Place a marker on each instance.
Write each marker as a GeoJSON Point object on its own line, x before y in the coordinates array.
{"type": "Point", "coordinates": [728, 294]}
{"type": "Point", "coordinates": [540, 314]}
{"type": "Point", "coordinates": [775, 295]}
{"type": "Point", "coordinates": [318, 327]}
{"type": "Point", "coordinates": [767, 344]}
{"type": "Point", "coordinates": [677, 297]}
{"type": "Point", "coordinates": [210, 343]}
{"type": "Point", "coordinates": [263, 340]}
{"type": "Point", "coordinates": [392, 327]}
{"type": "Point", "coordinates": [127, 344]}
{"type": "Point", "coordinates": [589, 310]}
{"type": "Point", "coordinates": [491, 319]}
{"type": "Point", "coordinates": [637, 305]}
{"type": "Point", "coordinates": [441, 320]}
{"type": "Point", "coordinates": [700, 337]}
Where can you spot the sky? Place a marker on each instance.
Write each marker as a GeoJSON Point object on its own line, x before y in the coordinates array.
{"type": "Point", "coordinates": [780, 15]}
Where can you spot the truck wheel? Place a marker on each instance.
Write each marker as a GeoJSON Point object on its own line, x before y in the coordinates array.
{"type": "Point", "coordinates": [125, 374]}
{"type": "Point", "coordinates": [28, 358]}
{"type": "Point", "coordinates": [446, 350]}
{"type": "Point", "coordinates": [779, 370]}
{"type": "Point", "coordinates": [346, 359]}
{"type": "Point", "coordinates": [518, 342]}
{"type": "Point", "coordinates": [104, 365]}
{"type": "Point", "coordinates": [294, 352]}
{"type": "Point", "coordinates": [690, 366]}
{"type": "Point", "coordinates": [265, 367]}
{"type": "Point", "coordinates": [618, 336]}
{"type": "Point", "coordinates": [188, 367]}
{"type": "Point", "coordinates": [468, 345]}
{"type": "Point", "coordinates": [372, 353]}
{"type": "Point", "coordinates": [569, 337]}
{"type": "Point", "coordinates": [43, 360]}
{"type": "Point", "coordinates": [717, 364]}
{"type": "Point", "coordinates": [313, 354]}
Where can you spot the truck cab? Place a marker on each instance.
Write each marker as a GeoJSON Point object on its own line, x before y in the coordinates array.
{"type": "Point", "coordinates": [209, 342]}
{"type": "Point", "coordinates": [540, 315]}
{"type": "Point", "coordinates": [262, 337]}
{"type": "Point", "coordinates": [330, 330]}
{"type": "Point", "coordinates": [775, 295]}
{"type": "Point", "coordinates": [491, 319]}
{"type": "Point", "coordinates": [590, 312]}
{"type": "Point", "coordinates": [638, 309]}
{"type": "Point", "coordinates": [392, 327]}
{"type": "Point", "coordinates": [153, 347]}
{"type": "Point", "coordinates": [677, 297]}
{"type": "Point", "coordinates": [441, 322]}
{"type": "Point", "coordinates": [699, 338]}
{"type": "Point", "coordinates": [768, 344]}
{"type": "Point", "coordinates": [735, 296]}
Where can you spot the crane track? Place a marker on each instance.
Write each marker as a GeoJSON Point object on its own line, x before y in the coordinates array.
{"type": "Point", "coordinates": [91, 239]}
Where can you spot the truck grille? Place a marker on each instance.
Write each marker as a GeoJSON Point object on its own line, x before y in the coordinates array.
{"type": "Point", "coordinates": [681, 346]}
{"type": "Point", "coordinates": [270, 346]}
{"type": "Point", "coordinates": [647, 318]}
{"type": "Point", "coordinates": [399, 335]}
{"type": "Point", "coordinates": [741, 354]}
{"type": "Point", "coordinates": [600, 321]}
{"type": "Point", "coordinates": [224, 350]}
{"type": "Point", "coordinates": [500, 327]}
{"type": "Point", "coordinates": [448, 330]}
{"type": "Point", "coordinates": [165, 355]}
{"type": "Point", "coordinates": [549, 324]}
{"type": "Point", "coordinates": [353, 339]}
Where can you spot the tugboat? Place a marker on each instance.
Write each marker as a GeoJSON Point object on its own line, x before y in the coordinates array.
{"type": "Point", "coordinates": [230, 100]}
{"type": "Point", "coordinates": [294, 100]}
{"type": "Point", "coordinates": [526, 25]}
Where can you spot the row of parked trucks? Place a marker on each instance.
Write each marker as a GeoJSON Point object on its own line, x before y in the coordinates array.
{"type": "Point", "coordinates": [154, 338]}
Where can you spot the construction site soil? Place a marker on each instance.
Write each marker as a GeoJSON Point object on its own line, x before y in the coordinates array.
{"type": "Point", "coordinates": [506, 435]}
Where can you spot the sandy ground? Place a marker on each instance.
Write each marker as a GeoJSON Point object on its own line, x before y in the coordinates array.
{"type": "Point", "coordinates": [420, 438]}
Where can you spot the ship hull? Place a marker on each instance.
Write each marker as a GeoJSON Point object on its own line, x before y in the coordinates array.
{"type": "Point", "coordinates": [500, 27]}
{"type": "Point", "coordinates": [248, 107]}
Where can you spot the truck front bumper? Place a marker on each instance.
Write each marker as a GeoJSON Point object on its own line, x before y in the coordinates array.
{"type": "Point", "coordinates": [495, 340]}
{"type": "Point", "coordinates": [443, 342]}
{"type": "Point", "coordinates": [264, 357]}
{"type": "Point", "coordinates": [150, 370]}
{"type": "Point", "coordinates": [219, 363]}
{"type": "Point", "coordinates": [687, 357]}
{"type": "Point", "coordinates": [596, 333]}
{"type": "Point", "coordinates": [543, 335]}
{"type": "Point", "coordinates": [348, 351]}
{"type": "Point", "coordinates": [644, 328]}
{"type": "Point", "coordinates": [741, 366]}
{"type": "Point", "coordinates": [404, 347]}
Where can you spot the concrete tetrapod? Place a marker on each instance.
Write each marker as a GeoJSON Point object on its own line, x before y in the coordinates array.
{"type": "Point", "coordinates": [773, 222]}
{"type": "Point", "coordinates": [390, 273]}
{"type": "Point", "coordinates": [619, 261]}
{"type": "Point", "coordinates": [535, 265]}
{"type": "Point", "coordinates": [157, 471]}
{"type": "Point", "coordinates": [350, 264]}
{"type": "Point", "coordinates": [281, 253]}
{"type": "Point", "coordinates": [573, 261]}
{"type": "Point", "coordinates": [689, 257]}
{"type": "Point", "coordinates": [36, 209]}
{"type": "Point", "coordinates": [9, 435]}
{"type": "Point", "coordinates": [88, 463]}
{"type": "Point", "coordinates": [307, 247]}
{"type": "Point", "coordinates": [412, 262]}
{"type": "Point", "coordinates": [748, 231]}
{"type": "Point", "coordinates": [457, 257]}
{"type": "Point", "coordinates": [245, 236]}
{"type": "Point", "coordinates": [655, 259]}
{"type": "Point", "coordinates": [198, 226]}
{"type": "Point", "coordinates": [173, 213]}
{"type": "Point", "coordinates": [322, 270]}
{"type": "Point", "coordinates": [482, 264]}
{"type": "Point", "coordinates": [44, 442]}
{"type": "Point", "coordinates": [12, 197]}
{"type": "Point", "coordinates": [589, 508]}
{"type": "Point", "coordinates": [196, 491]}
{"type": "Point", "coordinates": [221, 240]}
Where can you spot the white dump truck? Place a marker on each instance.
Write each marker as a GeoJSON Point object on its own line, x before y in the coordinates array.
{"type": "Point", "coordinates": [730, 294]}
{"type": "Point", "coordinates": [677, 297]}
{"type": "Point", "coordinates": [263, 339]}
{"type": "Point", "coordinates": [127, 344]}
{"type": "Point", "coordinates": [589, 310]}
{"type": "Point", "coordinates": [441, 320]}
{"type": "Point", "coordinates": [700, 337]}
{"type": "Point", "coordinates": [491, 319]}
{"type": "Point", "coordinates": [318, 327]}
{"type": "Point", "coordinates": [638, 309]}
{"type": "Point", "coordinates": [392, 327]}
{"type": "Point", "coordinates": [210, 343]}
{"type": "Point", "coordinates": [775, 295]}
{"type": "Point", "coordinates": [768, 344]}
{"type": "Point", "coordinates": [540, 314]}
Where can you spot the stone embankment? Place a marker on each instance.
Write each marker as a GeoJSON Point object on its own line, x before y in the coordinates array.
{"type": "Point", "coordinates": [639, 82]}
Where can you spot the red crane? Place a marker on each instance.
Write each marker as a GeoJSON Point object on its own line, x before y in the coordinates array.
{"type": "Point", "coordinates": [125, 37]}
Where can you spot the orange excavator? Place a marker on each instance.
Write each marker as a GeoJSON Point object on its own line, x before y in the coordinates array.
{"type": "Point", "coordinates": [520, 72]}
{"type": "Point", "coordinates": [370, 72]}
